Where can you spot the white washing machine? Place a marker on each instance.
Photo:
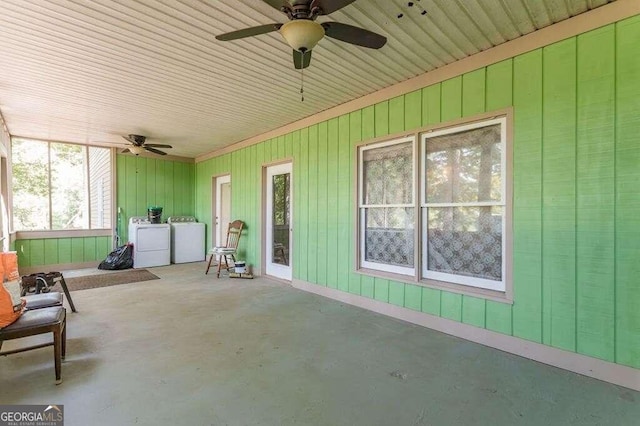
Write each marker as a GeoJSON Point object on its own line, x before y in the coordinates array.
{"type": "Point", "coordinates": [151, 242]}
{"type": "Point", "coordinates": [187, 239]}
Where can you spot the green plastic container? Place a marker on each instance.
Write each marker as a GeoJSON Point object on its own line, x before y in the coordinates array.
{"type": "Point", "coordinates": [154, 213]}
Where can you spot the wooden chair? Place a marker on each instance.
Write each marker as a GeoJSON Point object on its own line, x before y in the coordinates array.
{"type": "Point", "coordinates": [39, 321]}
{"type": "Point", "coordinates": [234, 231]}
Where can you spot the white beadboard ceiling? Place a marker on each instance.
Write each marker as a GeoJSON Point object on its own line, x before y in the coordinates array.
{"type": "Point", "coordinates": [87, 71]}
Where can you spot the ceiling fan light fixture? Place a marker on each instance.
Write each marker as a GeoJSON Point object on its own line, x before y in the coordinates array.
{"type": "Point", "coordinates": [302, 34]}
{"type": "Point", "coordinates": [137, 150]}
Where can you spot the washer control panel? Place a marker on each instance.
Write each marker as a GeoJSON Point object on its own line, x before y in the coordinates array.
{"type": "Point", "coordinates": [181, 219]}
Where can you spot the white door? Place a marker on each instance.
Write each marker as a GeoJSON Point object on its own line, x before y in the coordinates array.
{"type": "Point", "coordinates": [278, 221]}
{"type": "Point", "coordinates": [222, 209]}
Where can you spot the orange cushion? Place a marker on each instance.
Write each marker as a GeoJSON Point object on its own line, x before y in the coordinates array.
{"type": "Point", "coordinates": [10, 265]}
{"type": "Point", "coordinates": [11, 306]}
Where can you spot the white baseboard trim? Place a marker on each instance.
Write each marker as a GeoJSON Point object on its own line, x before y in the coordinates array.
{"type": "Point", "coordinates": [58, 267]}
{"type": "Point", "coordinates": [598, 369]}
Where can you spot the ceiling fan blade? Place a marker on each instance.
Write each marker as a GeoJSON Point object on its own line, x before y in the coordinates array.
{"type": "Point", "coordinates": [136, 140]}
{"type": "Point", "coordinates": [354, 35]}
{"type": "Point", "coordinates": [278, 4]}
{"type": "Point", "coordinates": [330, 6]}
{"type": "Point", "coordinates": [157, 145]}
{"type": "Point", "coordinates": [301, 60]}
{"type": "Point", "coordinates": [155, 151]}
{"type": "Point", "coordinates": [248, 32]}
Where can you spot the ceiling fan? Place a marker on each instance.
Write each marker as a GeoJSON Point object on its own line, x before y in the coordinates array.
{"type": "Point", "coordinates": [302, 32]}
{"type": "Point", "coordinates": [138, 145]}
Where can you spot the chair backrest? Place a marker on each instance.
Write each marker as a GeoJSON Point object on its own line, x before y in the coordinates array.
{"type": "Point", "coordinates": [233, 234]}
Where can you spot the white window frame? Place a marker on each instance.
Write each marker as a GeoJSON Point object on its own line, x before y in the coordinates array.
{"type": "Point", "coordinates": [87, 228]}
{"type": "Point", "coordinates": [482, 283]}
{"type": "Point", "coordinates": [363, 207]}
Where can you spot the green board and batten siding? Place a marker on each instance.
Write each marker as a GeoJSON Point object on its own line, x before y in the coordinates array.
{"type": "Point", "coordinates": [56, 251]}
{"type": "Point", "coordinates": [140, 182]}
{"type": "Point", "coordinates": [144, 182]}
{"type": "Point", "coordinates": [576, 156]}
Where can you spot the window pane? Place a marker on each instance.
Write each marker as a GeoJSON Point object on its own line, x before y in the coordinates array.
{"type": "Point", "coordinates": [30, 180]}
{"type": "Point", "coordinates": [281, 209]}
{"type": "Point", "coordinates": [388, 236]}
{"type": "Point", "coordinates": [100, 187]}
{"type": "Point", "coordinates": [465, 241]}
{"type": "Point", "coordinates": [388, 174]}
{"type": "Point", "coordinates": [464, 167]}
{"type": "Point", "coordinates": [68, 187]}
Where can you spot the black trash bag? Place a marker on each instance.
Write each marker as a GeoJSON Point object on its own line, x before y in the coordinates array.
{"type": "Point", "coordinates": [120, 258]}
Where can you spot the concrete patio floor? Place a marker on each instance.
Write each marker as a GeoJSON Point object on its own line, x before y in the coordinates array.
{"type": "Point", "coordinates": [191, 349]}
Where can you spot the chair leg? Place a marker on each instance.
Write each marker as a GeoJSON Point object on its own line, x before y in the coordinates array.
{"type": "Point", "coordinates": [64, 338]}
{"type": "Point", "coordinates": [209, 264]}
{"type": "Point", "coordinates": [57, 352]}
{"type": "Point", "coordinates": [63, 284]}
{"type": "Point", "coordinates": [220, 264]}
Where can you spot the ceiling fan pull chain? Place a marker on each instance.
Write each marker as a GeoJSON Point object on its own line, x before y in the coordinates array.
{"type": "Point", "coordinates": [302, 81]}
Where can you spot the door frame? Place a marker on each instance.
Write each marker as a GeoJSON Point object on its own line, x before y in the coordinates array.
{"type": "Point", "coordinates": [263, 222]}
{"type": "Point", "coordinates": [214, 206]}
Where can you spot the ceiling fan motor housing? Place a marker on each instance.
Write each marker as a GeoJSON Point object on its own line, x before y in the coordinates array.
{"type": "Point", "coordinates": [137, 139]}
{"type": "Point", "coordinates": [302, 34]}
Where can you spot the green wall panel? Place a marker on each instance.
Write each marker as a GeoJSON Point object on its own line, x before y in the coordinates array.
{"type": "Point", "coordinates": [51, 251]}
{"type": "Point", "coordinates": [322, 220]}
{"type": "Point", "coordinates": [64, 250]}
{"type": "Point", "coordinates": [344, 207]}
{"type": "Point", "coordinates": [627, 267]}
{"type": "Point", "coordinates": [527, 186]}
{"type": "Point", "coordinates": [312, 189]}
{"type": "Point", "coordinates": [451, 99]}
{"type": "Point", "coordinates": [89, 249]}
{"type": "Point", "coordinates": [396, 293]}
{"type": "Point", "coordinates": [559, 196]}
{"type": "Point", "coordinates": [413, 110]}
{"type": "Point", "coordinates": [595, 193]}
{"type": "Point", "coordinates": [349, 209]}
{"type": "Point", "coordinates": [396, 114]}
{"type": "Point", "coordinates": [499, 85]}
{"type": "Point", "coordinates": [451, 306]}
{"type": "Point", "coordinates": [473, 92]}
{"type": "Point", "coordinates": [302, 222]}
{"type": "Point", "coordinates": [23, 247]}
{"type": "Point", "coordinates": [381, 289]}
{"type": "Point", "coordinates": [431, 96]}
{"type": "Point", "coordinates": [498, 317]}
{"type": "Point", "coordinates": [37, 254]}
{"type": "Point", "coordinates": [413, 297]}
{"type": "Point", "coordinates": [431, 301]}
{"type": "Point", "coordinates": [333, 199]}
{"type": "Point", "coordinates": [473, 311]}
{"type": "Point", "coordinates": [575, 200]}
{"type": "Point", "coordinates": [381, 119]}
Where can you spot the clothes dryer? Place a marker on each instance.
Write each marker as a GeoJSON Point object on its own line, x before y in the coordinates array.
{"type": "Point", "coordinates": [187, 239]}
